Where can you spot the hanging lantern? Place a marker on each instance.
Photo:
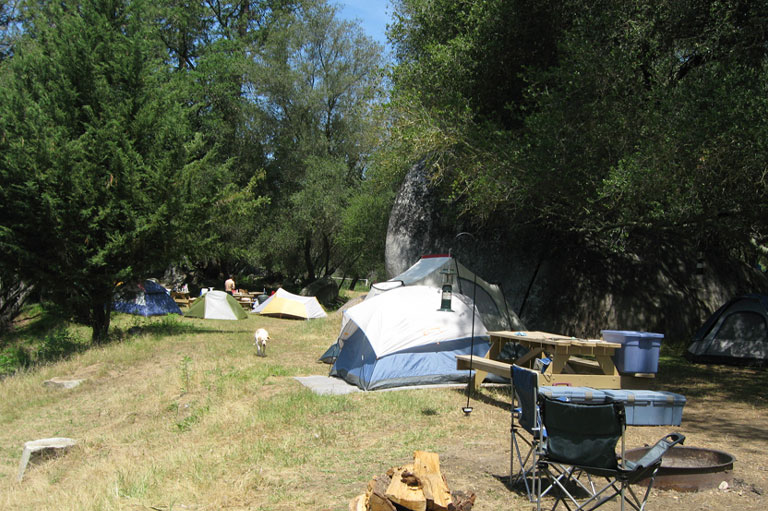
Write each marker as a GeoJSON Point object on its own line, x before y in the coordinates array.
{"type": "Point", "coordinates": [447, 291]}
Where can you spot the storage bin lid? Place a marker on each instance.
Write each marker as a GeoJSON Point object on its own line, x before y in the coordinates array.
{"type": "Point", "coordinates": [645, 396]}
{"type": "Point", "coordinates": [578, 394]}
{"type": "Point", "coordinates": [632, 333]}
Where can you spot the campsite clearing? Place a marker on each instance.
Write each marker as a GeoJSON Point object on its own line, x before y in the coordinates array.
{"type": "Point", "coordinates": [184, 415]}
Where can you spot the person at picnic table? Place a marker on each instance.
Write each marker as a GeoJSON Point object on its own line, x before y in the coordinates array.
{"type": "Point", "coordinates": [229, 285]}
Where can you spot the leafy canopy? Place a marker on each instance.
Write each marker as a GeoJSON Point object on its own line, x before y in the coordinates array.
{"type": "Point", "coordinates": [100, 169]}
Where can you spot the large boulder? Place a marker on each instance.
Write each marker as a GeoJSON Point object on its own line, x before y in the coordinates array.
{"type": "Point", "coordinates": [325, 290]}
{"type": "Point", "coordinates": [420, 224]}
{"type": "Point", "coordinates": [411, 229]}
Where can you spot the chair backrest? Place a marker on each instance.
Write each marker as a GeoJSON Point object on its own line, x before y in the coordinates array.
{"type": "Point", "coordinates": [582, 434]}
{"type": "Point", "coordinates": [526, 384]}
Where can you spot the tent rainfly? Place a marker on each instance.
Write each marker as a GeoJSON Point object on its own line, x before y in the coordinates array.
{"type": "Point", "coordinates": [283, 304]}
{"type": "Point", "coordinates": [489, 298]}
{"type": "Point", "coordinates": [400, 338]}
{"type": "Point", "coordinates": [216, 305]}
{"type": "Point", "coordinates": [145, 299]}
{"type": "Point", "coordinates": [736, 334]}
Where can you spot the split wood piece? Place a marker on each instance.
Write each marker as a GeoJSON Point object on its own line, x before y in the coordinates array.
{"type": "Point", "coordinates": [377, 493]}
{"type": "Point", "coordinates": [378, 502]}
{"type": "Point", "coordinates": [358, 503]}
{"type": "Point", "coordinates": [426, 468]}
{"type": "Point", "coordinates": [405, 491]}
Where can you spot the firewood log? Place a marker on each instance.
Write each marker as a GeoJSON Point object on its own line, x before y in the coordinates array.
{"type": "Point", "coordinates": [410, 496]}
{"type": "Point", "coordinates": [426, 468]}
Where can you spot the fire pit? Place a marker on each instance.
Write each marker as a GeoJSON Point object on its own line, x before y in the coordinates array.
{"type": "Point", "coordinates": [688, 469]}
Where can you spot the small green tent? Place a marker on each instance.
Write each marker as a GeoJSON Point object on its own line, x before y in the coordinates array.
{"type": "Point", "coordinates": [216, 305]}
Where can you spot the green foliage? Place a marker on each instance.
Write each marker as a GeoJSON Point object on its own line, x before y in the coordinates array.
{"type": "Point", "coordinates": [13, 359]}
{"type": "Point", "coordinates": [363, 230]}
{"type": "Point", "coordinates": [319, 80]}
{"type": "Point", "coordinates": [101, 172]}
{"type": "Point", "coordinates": [614, 123]}
{"type": "Point", "coordinates": [10, 17]}
{"type": "Point", "coordinates": [58, 345]}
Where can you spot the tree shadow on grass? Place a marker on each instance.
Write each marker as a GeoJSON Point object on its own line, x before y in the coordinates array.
{"type": "Point", "coordinates": [45, 335]}
{"type": "Point", "coordinates": [698, 381]}
{"type": "Point", "coordinates": [34, 321]}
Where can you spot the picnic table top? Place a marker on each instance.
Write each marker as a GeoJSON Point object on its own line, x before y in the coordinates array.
{"type": "Point", "coordinates": [533, 337]}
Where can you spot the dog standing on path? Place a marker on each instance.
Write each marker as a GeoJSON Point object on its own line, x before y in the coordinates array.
{"type": "Point", "coordinates": [260, 339]}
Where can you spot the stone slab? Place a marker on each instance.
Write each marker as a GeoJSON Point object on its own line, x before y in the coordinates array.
{"type": "Point", "coordinates": [42, 449]}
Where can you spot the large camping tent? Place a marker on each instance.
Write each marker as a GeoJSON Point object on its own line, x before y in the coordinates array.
{"type": "Point", "coordinates": [147, 298]}
{"type": "Point", "coordinates": [737, 333]}
{"type": "Point", "coordinates": [216, 305]}
{"type": "Point", "coordinates": [401, 338]}
{"type": "Point", "coordinates": [428, 271]}
{"type": "Point", "coordinates": [288, 305]}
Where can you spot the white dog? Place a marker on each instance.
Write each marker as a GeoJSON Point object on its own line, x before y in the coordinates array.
{"type": "Point", "coordinates": [260, 339]}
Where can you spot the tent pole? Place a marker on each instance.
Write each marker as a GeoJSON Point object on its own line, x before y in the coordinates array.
{"type": "Point", "coordinates": [468, 409]}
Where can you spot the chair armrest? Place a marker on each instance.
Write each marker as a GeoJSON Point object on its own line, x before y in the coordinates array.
{"type": "Point", "coordinates": [655, 453]}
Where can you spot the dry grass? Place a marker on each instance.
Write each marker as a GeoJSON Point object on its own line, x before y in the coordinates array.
{"type": "Point", "coordinates": [186, 416]}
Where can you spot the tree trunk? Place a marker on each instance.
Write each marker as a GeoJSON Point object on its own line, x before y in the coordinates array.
{"type": "Point", "coordinates": [354, 282]}
{"type": "Point", "coordinates": [100, 319]}
{"type": "Point", "coordinates": [327, 255]}
{"type": "Point", "coordinates": [308, 259]}
{"type": "Point", "coordinates": [12, 299]}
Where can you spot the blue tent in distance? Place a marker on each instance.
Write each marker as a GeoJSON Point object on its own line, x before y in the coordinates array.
{"type": "Point", "coordinates": [147, 298]}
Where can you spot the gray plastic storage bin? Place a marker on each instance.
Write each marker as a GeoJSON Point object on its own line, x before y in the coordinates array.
{"type": "Point", "coordinates": [649, 407]}
{"type": "Point", "coordinates": [639, 352]}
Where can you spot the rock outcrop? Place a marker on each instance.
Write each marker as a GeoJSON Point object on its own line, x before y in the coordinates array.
{"type": "Point", "coordinates": [325, 290]}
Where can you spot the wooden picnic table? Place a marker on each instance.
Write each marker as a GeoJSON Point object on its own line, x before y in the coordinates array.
{"type": "Point", "coordinates": [182, 298]}
{"type": "Point", "coordinates": [567, 366]}
{"type": "Point", "coordinates": [245, 299]}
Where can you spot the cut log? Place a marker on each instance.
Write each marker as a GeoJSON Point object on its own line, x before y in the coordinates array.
{"type": "Point", "coordinates": [426, 468]}
{"type": "Point", "coordinates": [358, 503]}
{"type": "Point", "coordinates": [410, 496]}
{"type": "Point", "coordinates": [379, 483]}
{"type": "Point", "coordinates": [377, 491]}
{"type": "Point", "coordinates": [378, 502]}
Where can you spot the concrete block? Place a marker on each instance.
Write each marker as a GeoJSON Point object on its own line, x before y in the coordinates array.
{"type": "Point", "coordinates": [37, 450]}
{"type": "Point", "coordinates": [62, 383]}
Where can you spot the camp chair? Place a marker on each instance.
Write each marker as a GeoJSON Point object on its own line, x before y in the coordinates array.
{"type": "Point", "coordinates": [527, 433]}
{"type": "Point", "coordinates": [525, 417]}
{"type": "Point", "coordinates": [584, 436]}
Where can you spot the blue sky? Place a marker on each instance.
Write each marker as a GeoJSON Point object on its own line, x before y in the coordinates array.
{"type": "Point", "coordinates": [373, 15]}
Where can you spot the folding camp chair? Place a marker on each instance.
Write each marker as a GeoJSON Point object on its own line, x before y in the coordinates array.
{"type": "Point", "coordinates": [527, 433]}
{"type": "Point", "coordinates": [584, 436]}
